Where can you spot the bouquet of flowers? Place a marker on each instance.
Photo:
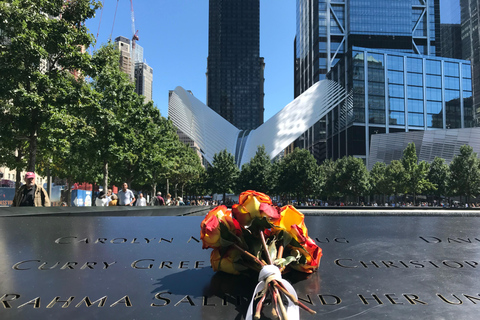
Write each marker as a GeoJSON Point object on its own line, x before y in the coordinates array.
{"type": "Point", "coordinates": [257, 235]}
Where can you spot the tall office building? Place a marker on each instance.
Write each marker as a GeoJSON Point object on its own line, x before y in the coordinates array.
{"type": "Point", "coordinates": [326, 30]}
{"type": "Point", "coordinates": [133, 64]}
{"type": "Point", "coordinates": [144, 80]}
{"type": "Point", "coordinates": [126, 61]}
{"type": "Point", "coordinates": [471, 45]}
{"type": "Point", "coordinates": [451, 41]}
{"type": "Point", "coordinates": [234, 66]}
{"type": "Point", "coordinates": [384, 54]}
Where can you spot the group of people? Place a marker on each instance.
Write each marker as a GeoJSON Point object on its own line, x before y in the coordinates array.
{"type": "Point", "coordinates": [126, 197]}
{"type": "Point", "coordinates": [168, 201]}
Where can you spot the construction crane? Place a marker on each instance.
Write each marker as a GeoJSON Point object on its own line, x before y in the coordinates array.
{"type": "Point", "coordinates": [135, 33]}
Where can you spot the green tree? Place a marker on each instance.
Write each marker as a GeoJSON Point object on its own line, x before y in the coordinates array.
{"type": "Point", "coordinates": [439, 175]}
{"type": "Point", "coordinates": [197, 187]}
{"type": "Point", "coordinates": [328, 172]}
{"type": "Point", "coordinates": [189, 167]}
{"type": "Point", "coordinates": [299, 174]}
{"type": "Point", "coordinates": [161, 156]}
{"type": "Point", "coordinates": [223, 174]}
{"type": "Point", "coordinates": [465, 173]}
{"type": "Point", "coordinates": [378, 179]}
{"type": "Point", "coordinates": [351, 176]}
{"type": "Point", "coordinates": [416, 180]}
{"type": "Point", "coordinates": [38, 55]}
{"type": "Point", "coordinates": [111, 144]}
{"type": "Point", "coordinates": [395, 174]}
{"type": "Point", "coordinates": [257, 174]}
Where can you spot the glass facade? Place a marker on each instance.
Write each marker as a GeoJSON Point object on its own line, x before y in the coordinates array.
{"type": "Point", "coordinates": [234, 67]}
{"type": "Point", "coordinates": [470, 17]}
{"type": "Point", "coordinates": [394, 92]}
{"type": "Point", "coordinates": [379, 17]}
{"type": "Point", "coordinates": [327, 29]}
{"type": "Point", "coordinates": [384, 54]}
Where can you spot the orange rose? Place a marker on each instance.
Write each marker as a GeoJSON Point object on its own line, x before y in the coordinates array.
{"type": "Point", "coordinates": [210, 226]}
{"type": "Point", "coordinates": [253, 204]}
{"type": "Point", "coordinates": [292, 221]}
{"type": "Point", "coordinates": [225, 263]}
{"type": "Point", "coordinates": [313, 260]}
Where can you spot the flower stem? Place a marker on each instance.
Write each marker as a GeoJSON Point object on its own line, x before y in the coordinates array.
{"type": "Point", "coordinates": [280, 303]}
{"type": "Point", "coordinates": [275, 303]}
{"type": "Point", "coordinates": [259, 307]}
{"type": "Point", "coordinates": [249, 255]}
{"type": "Point", "coordinates": [292, 298]}
{"type": "Point", "coordinates": [264, 244]}
{"type": "Point", "coordinates": [280, 252]}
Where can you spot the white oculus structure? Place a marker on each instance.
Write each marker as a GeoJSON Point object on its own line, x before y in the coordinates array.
{"type": "Point", "coordinates": [214, 134]}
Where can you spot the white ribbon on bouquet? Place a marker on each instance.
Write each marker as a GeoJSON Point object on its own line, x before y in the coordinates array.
{"type": "Point", "coordinates": [267, 274]}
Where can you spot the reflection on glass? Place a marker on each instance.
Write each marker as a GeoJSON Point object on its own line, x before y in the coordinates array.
{"type": "Point", "coordinates": [452, 113]}
{"type": "Point", "coordinates": [415, 105]}
{"type": "Point", "coordinates": [451, 69]}
{"type": "Point", "coordinates": [396, 91]}
{"type": "Point", "coordinates": [397, 104]}
{"type": "Point", "coordinates": [469, 112]}
{"type": "Point", "coordinates": [433, 81]}
{"type": "Point", "coordinates": [433, 67]}
{"type": "Point", "coordinates": [414, 65]}
{"type": "Point", "coordinates": [395, 77]}
{"type": "Point", "coordinates": [466, 71]}
{"type": "Point", "coordinates": [395, 63]}
{"type": "Point", "coordinates": [397, 118]}
{"type": "Point", "coordinates": [415, 119]}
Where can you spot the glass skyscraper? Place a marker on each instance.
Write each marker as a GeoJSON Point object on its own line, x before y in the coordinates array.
{"type": "Point", "coordinates": [234, 66]}
{"type": "Point", "coordinates": [384, 54]}
{"type": "Point", "coordinates": [396, 92]}
{"type": "Point", "coordinates": [470, 16]}
{"type": "Point", "coordinates": [327, 29]}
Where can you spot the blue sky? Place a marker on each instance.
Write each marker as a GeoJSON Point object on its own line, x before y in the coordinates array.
{"type": "Point", "coordinates": [174, 36]}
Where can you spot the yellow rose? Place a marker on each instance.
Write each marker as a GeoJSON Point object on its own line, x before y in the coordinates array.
{"type": "Point", "coordinates": [248, 207]}
{"type": "Point", "coordinates": [225, 263]}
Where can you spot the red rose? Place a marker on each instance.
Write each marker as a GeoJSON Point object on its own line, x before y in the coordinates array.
{"type": "Point", "coordinates": [210, 226]}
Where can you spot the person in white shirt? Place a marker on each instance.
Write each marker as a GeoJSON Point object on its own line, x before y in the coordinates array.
{"type": "Point", "coordinates": [141, 201]}
{"type": "Point", "coordinates": [125, 196]}
{"type": "Point", "coordinates": [101, 200]}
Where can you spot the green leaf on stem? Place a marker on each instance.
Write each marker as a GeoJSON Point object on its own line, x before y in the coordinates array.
{"type": "Point", "coordinates": [259, 224]}
{"type": "Point", "coordinates": [227, 238]}
{"type": "Point", "coordinates": [272, 250]}
{"type": "Point", "coordinates": [283, 262]}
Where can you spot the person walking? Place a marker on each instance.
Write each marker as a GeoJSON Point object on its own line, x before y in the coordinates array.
{"type": "Point", "coordinates": [125, 196]}
{"type": "Point", "coordinates": [158, 200]}
{"type": "Point", "coordinates": [141, 201]}
{"type": "Point", "coordinates": [168, 201]}
{"type": "Point", "coordinates": [30, 194]}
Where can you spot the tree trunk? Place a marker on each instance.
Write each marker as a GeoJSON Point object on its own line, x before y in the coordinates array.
{"type": "Point", "coordinates": [105, 175]}
{"type": "Point", "coordinates": [18, 179]}
{"type": "Point", "coordinates": [69, 192]}
{"type": "Point", "coordinates": [154, 189]}
{"type": "Point", "coordinates": [168, 187]}
{"type": "Point", "coordinates": [32, 151]}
